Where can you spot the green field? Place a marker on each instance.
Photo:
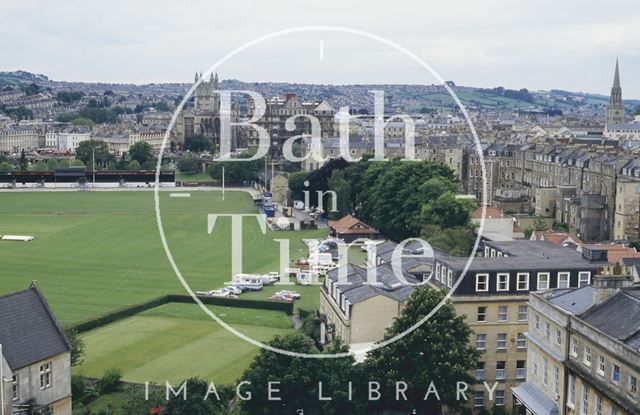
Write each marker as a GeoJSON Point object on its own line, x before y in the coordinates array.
{"type": "Point", "coordinates": [177, 341]}
{"type": "Point", "coordinates": [97, 251]}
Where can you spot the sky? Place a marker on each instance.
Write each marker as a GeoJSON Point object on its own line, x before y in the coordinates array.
{"type": "Point", "coordinates": [539, 45]}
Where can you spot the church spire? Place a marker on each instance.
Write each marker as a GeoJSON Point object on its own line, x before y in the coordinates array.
{"type": "Point", "coordinates": [616, 76]}
{"type": "Point", "coordinates": [615, 109]}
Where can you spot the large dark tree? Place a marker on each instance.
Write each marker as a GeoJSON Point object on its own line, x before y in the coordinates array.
{"type": "Point", "coordinates": [198, 144]}
{"type": "Point", "coordinates": [437, 351]}
{"type": "Point", "coordinates": [296, 184]}
{"type": "Point", "coordinates": [236, 171]}
{"type": "Point", "coordinates": [84, 152]}
{"type": "Point", "coordinates": [299, 381]}
{"type": "Point", "coordinates": [141, 152]}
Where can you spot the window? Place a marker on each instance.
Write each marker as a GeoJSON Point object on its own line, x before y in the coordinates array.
{"type": "Point", "coordinates": [522, 341]}
{"type": "Point", "coordinates": [45, 375]}
{"type": "Point", "coordinates": [563, 280]}
{"type": "Point", "coordinates": [574, 347]}
{"type": "Point", "coordinates": [587, 356]}
{"type": "Point", "coordinates": [480, 371]}
{"type": "Point", "coordinates": [584, 278]}
{"type": "Point", "coordinates": [536, 322]}
{"type": "Point", "coordinates": [449, 278]}
{"type": "Point", "coordinates": [543, 281]}
{"type": "Point", "coordinates": [571, 398]}
{"type": "Point", "coordinates": [615, 374]}
{"type": "Point", "coordinates": [598, 405]}
{"type": "Point", "coordinates": [503, 282]}
{"type": "Point", "coordinates": [521, 369]}
{"type": "Point", "coordinates": [633, 384]}
{"type": "Point", "coordinates": [501, 370]}
{"type": "Point", "coordinates": [499, 398]}
{"type": "Point", "coordinates": [614, 410]}
{"type": "Point", "coordinates": [556, 380]}
{"type": "Point", "coordinates": [482, 313]}
{"type": "Point", "coordinates": [503, 313]}
{"type": "Point", "coordinates": [545, 371]}
{"type": "Point", "coordinates": [478, 399]}
{"type": "Point", "coordinates": [481, 341]}
{"type": "Point", "coordinates": [522, 313]}
{"type": "Point", "coordinates": [547, 331]}
{"type": "Point", "coordinates": [15, 388]}
{"type": "Point", "coordinates": [501, 344]}
{"type": "Point", "coordinates": [584, 410]}
{"type": "Point", "coordinates": [558, 337]}
{"type": "Point", "coordinates": [523, 281]}
{"type": "Point", "coordinates": [482, 282]}
{"type": "Point", "coordinates": [601, 365]}
{"type": "Point", "coordinates": [534, 367]}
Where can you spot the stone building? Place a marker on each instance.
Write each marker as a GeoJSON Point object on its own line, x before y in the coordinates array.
{"type": "Point", "coordinates": [35, 356]}
{"type": "Point", "coordinates": [493, 295]}
{"type": "Point", "coordinates": [584, 350]}
{"type": "Point", "coordinates": [204, 116]}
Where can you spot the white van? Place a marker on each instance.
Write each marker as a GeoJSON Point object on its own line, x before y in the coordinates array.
{"type": "Point", "coordinates": [248, 282]}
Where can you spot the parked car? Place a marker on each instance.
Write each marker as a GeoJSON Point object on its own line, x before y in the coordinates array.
{"type": "Point", "coordinates": [233, 289]}
{"type": "Point", "coordinates": [290, 294]}
{"type": "Point", "coordinates": [270, 278]}
{"type": "Point", "coordinates": [221, 293]}
{"type": "Point", "coordinates": [280, 297]}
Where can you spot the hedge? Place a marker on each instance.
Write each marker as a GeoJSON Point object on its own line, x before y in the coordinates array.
{"type": "Point", "coordinates": [285, 306]}
{"type": "Point", "coordinates": [129, 311]}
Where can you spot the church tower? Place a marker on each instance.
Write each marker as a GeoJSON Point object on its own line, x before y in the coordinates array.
{"type": "Point", "coordinates": [615, 109]}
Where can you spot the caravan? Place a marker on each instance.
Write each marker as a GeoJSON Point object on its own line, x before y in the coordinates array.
{"type": "Point", "coordinates": [248, 282]}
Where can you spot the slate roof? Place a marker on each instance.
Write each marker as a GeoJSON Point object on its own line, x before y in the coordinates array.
{"type": "Point", "coordinates": [29, 332]}
{"type": "Point", "coordinates": [357, 289]}
{"type": "Point", "coordinates": [574, 301]}
{"type": "Point", "coordinates": [618, 317]}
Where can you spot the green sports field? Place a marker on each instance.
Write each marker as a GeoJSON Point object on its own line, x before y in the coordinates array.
{"type": "Point", "coordinates": [177, 341]}
{"type": "Point", "coordinates": [97, 251]}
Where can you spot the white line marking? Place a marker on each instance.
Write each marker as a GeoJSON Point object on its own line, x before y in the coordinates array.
{"type": "Point", "coordinates": [180, 194]}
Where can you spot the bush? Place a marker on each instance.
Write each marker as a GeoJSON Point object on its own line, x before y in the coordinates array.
{"type": "Point", "coordinates": [110, 381]}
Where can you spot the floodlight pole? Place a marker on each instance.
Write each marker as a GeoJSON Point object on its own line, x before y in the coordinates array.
{"type": "Point", "coordinates": [93, 151]}
{"type": "Point", "coordinates": [223, 182]}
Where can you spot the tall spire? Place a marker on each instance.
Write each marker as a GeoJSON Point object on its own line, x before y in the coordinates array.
{"type": "Point", "coordinates": [616, 76]}
{"type": "Point", "coordinates": [615, 109]}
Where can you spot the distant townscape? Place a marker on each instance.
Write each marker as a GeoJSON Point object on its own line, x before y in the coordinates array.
{"type": "Point", "coordinates": [534, 231]}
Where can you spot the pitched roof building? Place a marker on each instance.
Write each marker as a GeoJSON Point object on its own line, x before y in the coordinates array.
{"type": "Point", "coordinates": [35, 356]}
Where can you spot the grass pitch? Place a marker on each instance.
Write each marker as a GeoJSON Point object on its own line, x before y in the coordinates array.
{"type": "Point", "coordinates": [97, 251]}
{"type": "Point", "coordinates": [178, 341]}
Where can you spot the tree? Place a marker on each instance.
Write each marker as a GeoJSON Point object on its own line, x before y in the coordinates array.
{"type": "Point", "coordinates": [82, 122]}
{"type": "Point", "coordinates": [188, 165]}
{"type": "Point", "coordinates": [77, 346]}
{"type": "Point", "coordinates": [53, 164]}
{"type": "Point", "coordinates": [63, 164]}
{"type": "Point", "coordinates": [134, 165]}
{"type": "Point", "coordinates": [141, 151]}
{"type": "Point", "coordinates": [437, 351]}
{"type": "Point", "coordinates": [342, 189]}
{"type": "Point", "coordinates": [76, 163]}
{"type": "Point", "coordinates": [196, 404]}
{"type": "Point", "coordinates": [85, 150]}
{"type": "Point", "coordinates": [300, 377]}
{"type": "Point", "coordinates": [6, 166]}
{"type": "Point", "coordinates": [110, 380]}
{"type": "Point", "coordinates": [236, 171]}
{"type": "Point", "coordinates": [296, 184]}
{"type": "Point", "coordinates": [457, 241]}
{"type": "Point", "coordinates": [23, 160]}
{"type": "Point", "coordinates": [447, 211]}
{"type": "Point", "coordinates": [198, 144]}
{"type": "Point", "coordinates": [40, 166]}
